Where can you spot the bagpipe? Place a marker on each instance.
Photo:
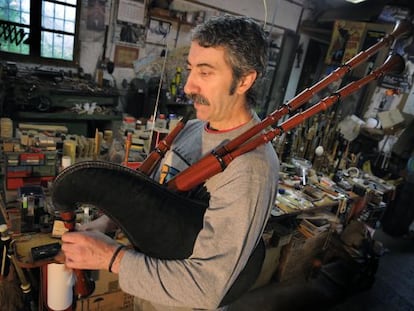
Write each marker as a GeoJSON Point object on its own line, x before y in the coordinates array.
{"type": "Point", "coordinates": [163, 221]}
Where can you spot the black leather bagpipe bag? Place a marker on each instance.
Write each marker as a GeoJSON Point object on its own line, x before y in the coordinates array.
{"type": "Point", "coordinates": [158, 222]}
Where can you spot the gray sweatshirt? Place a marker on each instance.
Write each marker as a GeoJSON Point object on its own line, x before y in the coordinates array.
{"type": "Point", "coordinates": [241, 198]}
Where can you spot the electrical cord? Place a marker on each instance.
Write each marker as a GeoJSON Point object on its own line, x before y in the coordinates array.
{"type": "Point", "coordinates": [265, 11]}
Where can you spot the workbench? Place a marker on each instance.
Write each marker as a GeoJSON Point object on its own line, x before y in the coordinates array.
{"type": "Point", "coordinates": [106, 296]}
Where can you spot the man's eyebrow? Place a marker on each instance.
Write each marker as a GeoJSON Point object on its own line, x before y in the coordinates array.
{"type": "Point", "coordinates": [202, 65]}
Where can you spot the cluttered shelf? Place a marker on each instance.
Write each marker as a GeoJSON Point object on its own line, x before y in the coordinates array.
{"type": "Point", "coordinates": [72, 99]}
{"type": "Point", "coordinates": [63, 116]}
{"type": "Point", "coordinates": [76, 123]}
{"type": "Point", "coordinates": [315, 203]}
{"type": "Point", "coordinates": [318, 219]}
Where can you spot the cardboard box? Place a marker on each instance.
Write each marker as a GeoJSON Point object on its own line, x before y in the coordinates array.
{"type": "Point", "coordinates": [297, 257]}
{"type": "Point", "coordinates": [105, 282]}
{"type": "Point", "coordinates": [115, 301]}
{"type": "Point", "coordinates": [269, 267]}
{"type": "Point", "coordinates": [279, 237]}
{"type": "Point", "coordinates": [391, 121]}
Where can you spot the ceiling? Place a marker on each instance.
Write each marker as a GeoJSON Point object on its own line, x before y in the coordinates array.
{"type": "Point", "coordinates": [325, 12]}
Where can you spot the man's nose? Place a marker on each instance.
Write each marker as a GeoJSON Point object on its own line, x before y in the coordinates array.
{"type": "Point", "coordinates": [191, 85]}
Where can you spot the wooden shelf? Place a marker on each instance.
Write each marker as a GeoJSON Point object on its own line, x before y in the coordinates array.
{"type": "Point", "coordinates": [81, 124]}
{"type": "Point", "coordinates": [164, 15]}
{"type": "Point", "coordinates": [65, 116]}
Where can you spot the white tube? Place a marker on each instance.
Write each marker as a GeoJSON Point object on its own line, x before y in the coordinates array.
{"type": "Point", "coordinates": [60, 281]}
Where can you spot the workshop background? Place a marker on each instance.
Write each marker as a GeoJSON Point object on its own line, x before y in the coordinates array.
{"type": "Point", "coordinates": [103, 80]}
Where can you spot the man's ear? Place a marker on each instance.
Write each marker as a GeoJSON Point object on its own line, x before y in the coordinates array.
{"type": "Point", "coordinates": [246, 82]}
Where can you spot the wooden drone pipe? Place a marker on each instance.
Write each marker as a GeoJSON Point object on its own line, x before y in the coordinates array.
{"type": "Point", "coordinates": [148, 165]}
{"type": "Point", "coordinates": [84, 286]}
{"type": "Point", "coordinates": [401, 28]}
{"type": "Point", "coordinates": [209, 165]}
{"type": "Point", "coordinates": [152, 160]}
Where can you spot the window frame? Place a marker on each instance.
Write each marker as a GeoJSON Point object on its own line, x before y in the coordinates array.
{"type": "Point", "coordinates": [35, 39]}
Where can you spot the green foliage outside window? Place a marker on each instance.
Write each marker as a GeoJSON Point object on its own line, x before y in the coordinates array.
{"type": "Point", "coordinates": [18, 13]}
{"type": "Point", "coordinates": [56, 30]}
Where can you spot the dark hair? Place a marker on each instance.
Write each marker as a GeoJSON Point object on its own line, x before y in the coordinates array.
{"type": "Point", "coordinates": [244, 41]}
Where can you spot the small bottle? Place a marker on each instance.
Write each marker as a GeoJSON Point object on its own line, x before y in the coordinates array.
{"type": "Point", "coordinates": [86, 217]}
{"type": "Point", "coordinates": [173, 89]}
{"type": "Point", "coordinates": [30, 211]}
{"type": "Point", "coordinates": [173, 121]}
{"type": "Point", "coordinates": [178, 77]}
{"type": "Point", "coordinates": [138, 124]}
{"type": "Point", "coordinates": [24, 211]}
{"type": "Point", "coordinates": [161, 121]}
{"type": "Point", "coordinates": [66, 161]}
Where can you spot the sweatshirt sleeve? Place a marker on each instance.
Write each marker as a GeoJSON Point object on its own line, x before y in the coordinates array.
{"type": "Point", "coordinates": [240, 203]}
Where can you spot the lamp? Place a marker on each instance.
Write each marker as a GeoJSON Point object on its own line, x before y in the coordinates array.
{"type": "Point", "coordinates": [355, 1]}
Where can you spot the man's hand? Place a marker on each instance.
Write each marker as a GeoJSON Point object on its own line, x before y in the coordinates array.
{"type": "Point", "coordinates": [91, 250]}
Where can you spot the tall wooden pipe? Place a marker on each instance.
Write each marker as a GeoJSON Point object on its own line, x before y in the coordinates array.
{"type": "Point", "coordinates": [214, 163]}
{"type": "Point", "coordinates": [401, 28]}
{"type": "Point", "coordinates": [28, 299]}
{"type": "Point", "coordinates": [84, 286]}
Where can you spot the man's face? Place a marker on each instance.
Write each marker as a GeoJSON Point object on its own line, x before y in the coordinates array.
{"type": "Point", "coordinates": [208, 84]}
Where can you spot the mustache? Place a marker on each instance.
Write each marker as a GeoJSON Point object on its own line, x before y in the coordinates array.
{"type": "Point", "coordinates": [198, 98]}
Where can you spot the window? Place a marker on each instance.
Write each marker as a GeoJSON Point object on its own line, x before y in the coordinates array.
{"type": "Point", "coordinates": [39, 30]}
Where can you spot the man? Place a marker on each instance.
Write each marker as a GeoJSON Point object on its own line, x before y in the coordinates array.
{"type": "Point", "coordinates": [226, 57]}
